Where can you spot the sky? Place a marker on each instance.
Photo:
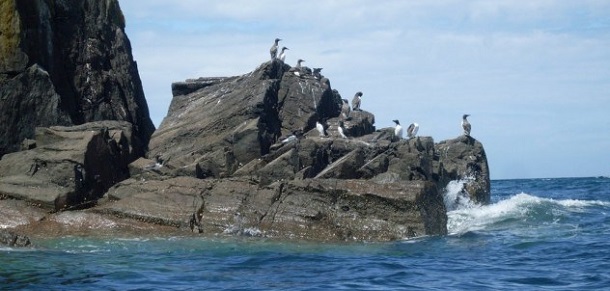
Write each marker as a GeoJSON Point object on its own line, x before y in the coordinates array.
{"type": "Point", "coordinates": [534, 75]}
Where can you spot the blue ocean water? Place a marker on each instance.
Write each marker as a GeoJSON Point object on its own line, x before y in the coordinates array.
{"type": "Point", "coordinates": [536, 234]}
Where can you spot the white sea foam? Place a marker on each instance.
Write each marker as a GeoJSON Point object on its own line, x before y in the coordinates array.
{"type": "Point", "coordinates": [522, 208]}
{"type": "Point", "coordinates": [80, 219]}
{"type": "Point", "coordinates": [456, 197]}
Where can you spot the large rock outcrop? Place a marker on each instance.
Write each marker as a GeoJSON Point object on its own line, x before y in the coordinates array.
{"type": "Point", "coordinates": [235, 155]}
{"type": "Point", "coordinates": [216, 125]}
{"type": "Point", "coordinates": [70, 167]}
{"type": "Point", "coordinates": [315, 209]}
{"type": "Point", "coordinates": [66, 62]}
{"type": "Point", "coordinates": [231, 133]}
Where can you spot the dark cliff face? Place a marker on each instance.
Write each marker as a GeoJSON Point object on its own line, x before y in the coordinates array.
{"type": "Point", "coordinates": [66, 62]}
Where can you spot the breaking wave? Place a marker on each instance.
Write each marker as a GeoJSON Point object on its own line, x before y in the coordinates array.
{"type": "Point", "coordinates": [519, 211]}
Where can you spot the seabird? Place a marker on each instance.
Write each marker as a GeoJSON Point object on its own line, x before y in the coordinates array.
{"type": "Point", "coordinates": [320, 129]}
{"type": "Point", "coordinates": [316, 73]}
{"type": "Point", "coordinates": [356, 101]}
{"type": "Point", "coordinates": [295, 135]}
{"type": "Point", "coordinates": [298, 66]}
{"type": "Point", "coordinates": [466, 125]}
{"type": "Point", "coordinates": [397, 129]}
{"type": "Point", "coordinates": [273, 50]}
{"type": "Point", "coordinates": [283, 53]}
{"type": "Point", "coordinates": [341, 130]}
{"type": "Point", "coordinates": [412, 130]}
{"type": "Point", "coordinates": [289, 139]}
{"type": "Point", "coordinates": [297, 69]}
{"type": "Point", "coordinates": [345, 109]}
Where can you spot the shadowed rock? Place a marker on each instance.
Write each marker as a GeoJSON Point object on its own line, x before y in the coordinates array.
{"type": "Point", "coordinates": [66, 62]}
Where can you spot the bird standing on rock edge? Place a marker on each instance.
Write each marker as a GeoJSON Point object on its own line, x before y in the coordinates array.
{"type": "Point", "coordinates": [321, 129]}
{"type": "Point", "coordinates": [273, 50]}
{"type": "Point", "coordinates": [283, 53]}
{"type": "Point", "coordinates": [397, 129]}
{"type": "Point", "coordinates": [345, 109]}
{"type": "Point", "coordinates": [356, 101]}
{"type": "Point", "coordinates": [466, 125]}
{"type": "Point", "coordinates": [298, 66]}
{"type": "Point", "coordinates": [341, 130]}
{"type": "Point", "coordinates": [412, 130]}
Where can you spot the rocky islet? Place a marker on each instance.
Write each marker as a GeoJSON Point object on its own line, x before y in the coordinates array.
{"type": "Point", "coordinates": [217, 163]}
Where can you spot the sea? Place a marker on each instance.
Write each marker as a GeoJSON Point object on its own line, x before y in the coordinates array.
{"type": "Point", "coordinates": [537, 234]}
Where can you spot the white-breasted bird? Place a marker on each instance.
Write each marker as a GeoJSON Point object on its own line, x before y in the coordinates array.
{"type": "Point", "coordinates": [412, 130]}
{"type": "Point", "coordinates": [397, 129]}
{"type": "Point", "coordinates": [273, 49]}
{"type": "Point", "coordinates": [466, 125]}
{"type": "Point", "coordinates": [298, 66]}
{"type": "Point", "coordinates": [320, 128]}
{"type": "Point", "coordinates": [345, 109]}
{"type": "Point", "coordinates": [341, 130]}
{"type": "Point", "coordinates": [283, 54]}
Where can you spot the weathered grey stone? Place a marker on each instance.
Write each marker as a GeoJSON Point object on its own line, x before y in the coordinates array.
{"type": "Point", "coordinates": [71, 166]}
{"type": "Point", "coordinates": [316, 209]}
{"type": "Point", "coordinates": [11, 239]}
{"type": "Point", "coordinates": [235, 115]}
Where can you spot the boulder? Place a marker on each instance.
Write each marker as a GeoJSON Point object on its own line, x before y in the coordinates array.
{"type": "Point", "coordinates": [237, 115]}
{"type": "Point", "coordinates": [66, 62]}
{"type": "Point", "coordinates": [464, 159]}
{"type": "Point", "coordinates": [221, 124]}
{"type": "Point", "coordinates": [11, 239]}
{"type": "Point", "coordinates": [315, 209]}
{"type": "Point", "coordinates": [70, 166]}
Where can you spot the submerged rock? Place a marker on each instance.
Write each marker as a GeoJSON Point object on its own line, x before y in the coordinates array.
{"type": "Point", "coordinates": [11, 239]}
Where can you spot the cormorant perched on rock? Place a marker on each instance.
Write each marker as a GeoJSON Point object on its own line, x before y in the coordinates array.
{"type": "Point", "coordinates": [345, 109]}
{"type": "Point", "coordinates": [283, 53]}
{"type": "Point", "coordinates": [317, 74]}
{"type": "Point", "coordinates": [356, 101]}
{"type": "Point", "coordinates": [298, 70]}
{"type": "Point", "coordinates": [466, 125]}
{"type": "Point", "coordinates": [321, 129]}
{"type": "Point", "coordinates": [273, 50]}
{"type": "Point", "coordinates": [341, 130]}
{"type": "Point", "coordinates": [412, 130]}
{"type": "Point", "coordinates": [298, 66]}
{"type": "Point", "coordinates": [397, 129]}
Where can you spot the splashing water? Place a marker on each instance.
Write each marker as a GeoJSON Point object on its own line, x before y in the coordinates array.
{"type": "Point", "coordinates": [518, 213]}
{"type": "Point", "coordinates": [456, 196]}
